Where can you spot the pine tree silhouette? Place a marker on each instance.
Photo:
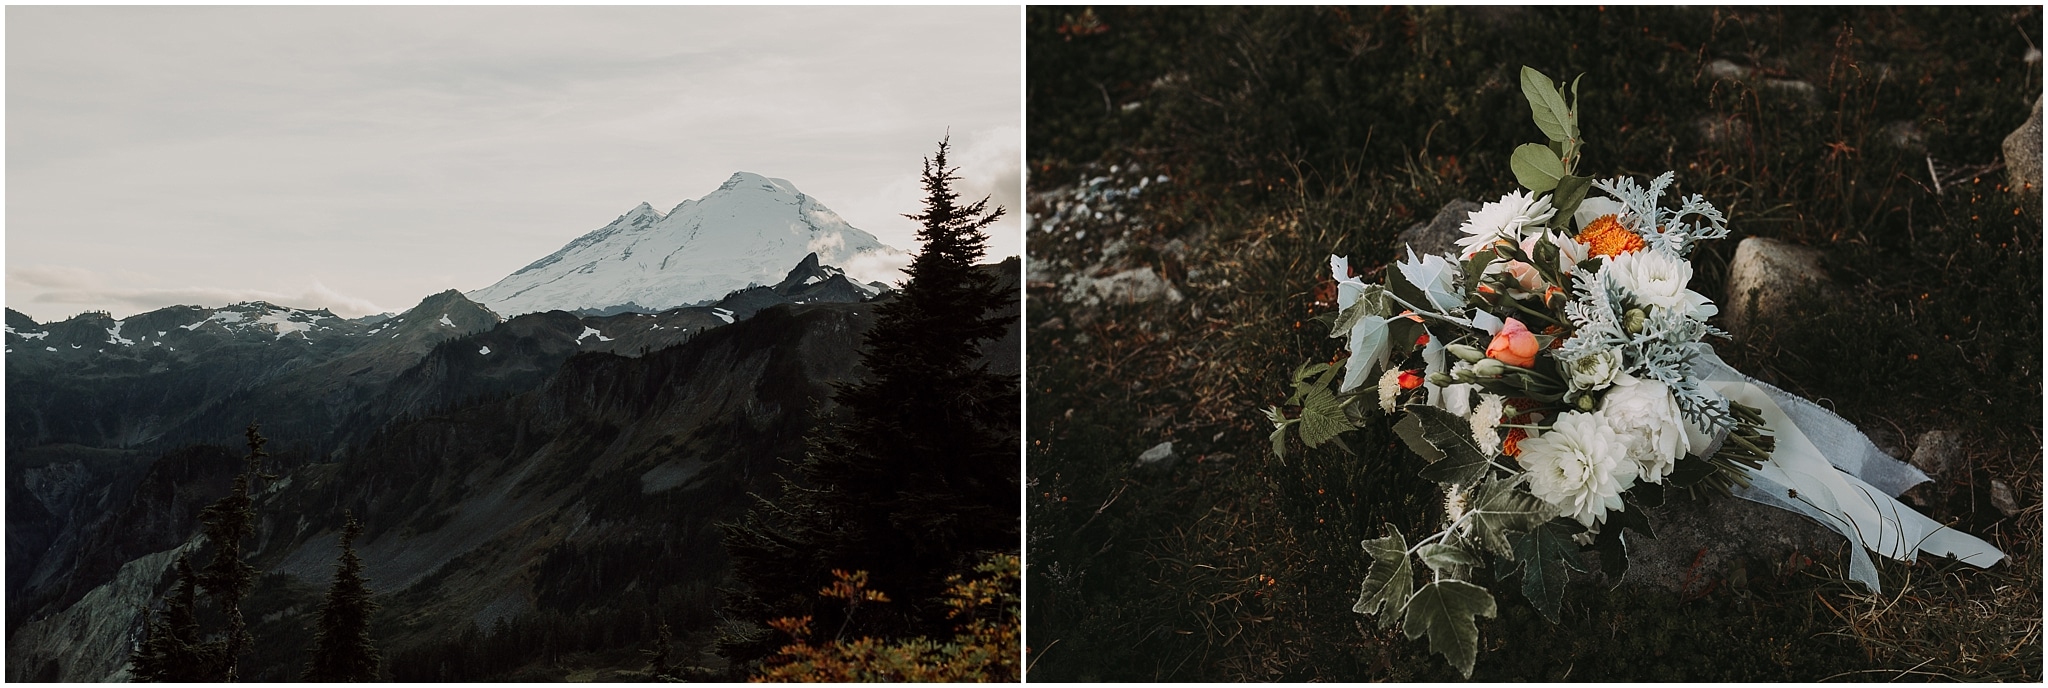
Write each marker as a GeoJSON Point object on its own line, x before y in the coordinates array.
{"type": "Point", "coordinates": [228, 577]}
{"type": "Point", "coordinates": [342, 650]}
{"type": "Point", "coordinates": [919, 471]}
{"type": "Point", "coordinates": [170, 651]}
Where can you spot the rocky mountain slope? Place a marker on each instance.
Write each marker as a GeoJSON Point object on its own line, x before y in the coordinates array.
{"type": "Point", "coordinates": [548, 470]}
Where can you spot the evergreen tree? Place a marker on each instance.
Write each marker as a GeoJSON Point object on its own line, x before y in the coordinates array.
{"type": "Point", "coordinates": [342, 651]}
{"type": "Point", "coordinates": [918, 473]}
{"type": "Point", "coordinates": [228, 577]}
{"type": "Point", "coordinates": [171, 651]}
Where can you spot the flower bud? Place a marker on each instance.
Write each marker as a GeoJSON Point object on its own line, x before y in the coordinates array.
{"type": "Point", "coordinates": [1586, 403]}
{"type": "Point", "coordinates": [1633, 320]}
{"type": "Point", "coordinates": [1465, 352]}
{"type": "Point", "coordinates": [1440, 379]}
{"type": "Point", "coordinates": [1487, 367]}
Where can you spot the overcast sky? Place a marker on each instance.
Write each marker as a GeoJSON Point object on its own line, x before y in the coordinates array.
{"type": "Point", "coordinates": [361, 158]}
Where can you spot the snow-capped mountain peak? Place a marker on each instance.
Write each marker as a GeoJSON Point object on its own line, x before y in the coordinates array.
{"type": "Point", "coordinates": [747, 232]}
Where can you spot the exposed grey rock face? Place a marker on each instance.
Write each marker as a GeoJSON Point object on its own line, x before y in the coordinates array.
{"type": "Point", "coordinates": [1764, 278]}
{"type": "Point", "coordinates": [1723, 535]}
{"type": "Point", "coordinates": [88, 641]}
{"type": "Point", "coordinates": [1937, 450]}
{"type": "Point", "coordinates": [2023, 153]}
{"type": "Point", "coordinates": [1440, 234]}
{"type": "Point", "coordinates": [1133, 286]}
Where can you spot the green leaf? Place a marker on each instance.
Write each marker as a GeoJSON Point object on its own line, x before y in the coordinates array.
{"type": "Point", "coordinates": [1613, 547]}
{"type": "Point", "coordinates": [1464, 463]}
{"type": "Point", "coordinates": [1499, 510]}
{"type": "Point", "coordinates": [1536, 167]}
{"type": "Point", "coordinates": [1322, 416]}
{"type": "Point", "coordinates": [1444, 610]}
{"type": "Point", "coordinates": [1410, 432]}
{"type": "Point", "coordinates": [1545, 553]}
{"type": "Point", "coordinates": [1371, 303]}
{"type": "Point", "coordinates": [1390, 580]}
{"type": "Point", "coordinates": [1280, 441]}
{"type": "Point", "coordinates": [1440, 557]}
{"type": "Point", "coordinates": [1547, 106]}
{"type": "Point", "coordinates": [1571, 191]}
{"type": "Point", "coordinates": [1646, 494]}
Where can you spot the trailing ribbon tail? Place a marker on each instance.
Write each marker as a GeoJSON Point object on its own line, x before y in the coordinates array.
{"type": "Point", "coordinates": [1826, 469]}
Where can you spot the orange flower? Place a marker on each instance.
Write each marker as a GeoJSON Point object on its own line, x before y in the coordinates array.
{"type": "Point", "coordinates": [1606, 237]}
{"type": "Point", "coordinates": [1514, 345]}
{"type": "Point", "coordinates": [1410, 379]}
{"type": "Point", "coordinates": [1512, 446]}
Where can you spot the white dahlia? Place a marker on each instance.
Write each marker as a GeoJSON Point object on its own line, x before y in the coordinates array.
{"type": "Point", "coordinates": [1643, 413]}
{"type": "Point", "coordinates": [1660, 280]}
{"type": "Point", "coordinates": [1503, 218]}
{"type": "Point", "coordinates": [1579, 466]}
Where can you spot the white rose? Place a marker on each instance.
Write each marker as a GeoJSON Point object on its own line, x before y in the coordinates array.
{"type": "Point", "coordinates": [1646, 417]}
{"type": "Point", "coordinates": [1596, 370]}
{"type": "Point", "coordinates": [1580, 466]}
{"type": "Point", "coordinates": [1659, 280]}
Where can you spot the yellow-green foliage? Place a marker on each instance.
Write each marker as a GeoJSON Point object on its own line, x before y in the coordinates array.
{"type": "Point", "coordinates": [983, 648]}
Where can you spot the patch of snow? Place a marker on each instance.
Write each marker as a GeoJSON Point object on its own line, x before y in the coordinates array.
{"type": "Point", "coordinates": [159, 333]}
{"type": "Point", "coordinates": [114, 335]}
{"type": "Point", "coordinates": [74, 346]}
{"type": "Point", "coordinates": [485, 351]}
{"type": "Point", "coordinates": [281, 323]}
{"type": "Point", "coordinates": [156, 343]}
{"type": "Point", "coordinates": [813, 279]}
{"type": "Point", "coordinates": [589, 331]}
{"type": "Point", "coordinates": [722, 314]}
{"type": "Point", "coordinates": [446, 321]}
{"type": "Point", "coordinates": [49, 348]}
{"type": "Point", "coordinates": [28, 335]}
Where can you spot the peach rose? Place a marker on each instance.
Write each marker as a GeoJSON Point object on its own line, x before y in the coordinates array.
{"type": "Point", "coordinates": [1515, 345]}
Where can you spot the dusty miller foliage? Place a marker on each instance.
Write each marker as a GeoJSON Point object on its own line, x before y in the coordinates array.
{"type": "Point", "coordinates": [1669, 231]}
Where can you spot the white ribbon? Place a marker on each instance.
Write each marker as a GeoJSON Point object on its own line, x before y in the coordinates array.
{"type": "Point", "coordinates": [1826, 469]}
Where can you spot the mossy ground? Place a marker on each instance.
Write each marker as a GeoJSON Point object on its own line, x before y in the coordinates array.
{"type": "Point", "coordinates": [1291, 134]}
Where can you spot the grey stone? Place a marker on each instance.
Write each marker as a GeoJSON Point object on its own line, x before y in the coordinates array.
{"type": "Point", "coordinates": [2023, 153]}
{"type": "Point", "coordinates": [1796, 88]}
{"type": "Point", "coordinates": [1700, 541]}
{"type": "Point", "coordinates": [1936, 451]}
{"type": "Point", "coordinates": [1764, 278]}
{"type": "Point", "coordinates": [2002, 497]}
{"type": "Point", "coordinates": [1718, 129]}
{"type": "Point", "coordinates": [1133, 286]}
{"type": "Point", "coordinates": [1159, 456]}
{"type": "Point", "coordinates": [1440, 235]}
{"type": "Point", "coordinates": [1906, 135]}
{"type": "Point", "coordinates": [1723, 69]}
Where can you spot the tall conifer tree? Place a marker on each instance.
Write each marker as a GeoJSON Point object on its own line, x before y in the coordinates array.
{"type": "Point", "coordinates": [228, 577]}
{"type": "Point", "coordinates": [919, 471]}
{"type": "Point", "coordinates": [342, 650]}
{"type": "Point", "coordinates": [171, 651]}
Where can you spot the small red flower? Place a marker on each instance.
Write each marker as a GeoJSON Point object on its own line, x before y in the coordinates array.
{"type": "Point", "coordinates": [1411, 379]}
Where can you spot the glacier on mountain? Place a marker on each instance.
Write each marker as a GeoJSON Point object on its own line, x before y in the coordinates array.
{"type": "Point", "coordinates": [748, 232]}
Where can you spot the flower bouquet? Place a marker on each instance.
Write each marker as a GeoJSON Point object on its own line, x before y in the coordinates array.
{"type": "Point", "coordinates": [1555, 379]}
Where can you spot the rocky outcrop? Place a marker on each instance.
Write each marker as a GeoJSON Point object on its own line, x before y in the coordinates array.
{"type": "Point", "coordinates": [2023, 153]}
{"type": "Point", "coordinates": [89, 640]}
{"type": "Point", "coordinates": [1766, 277]}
